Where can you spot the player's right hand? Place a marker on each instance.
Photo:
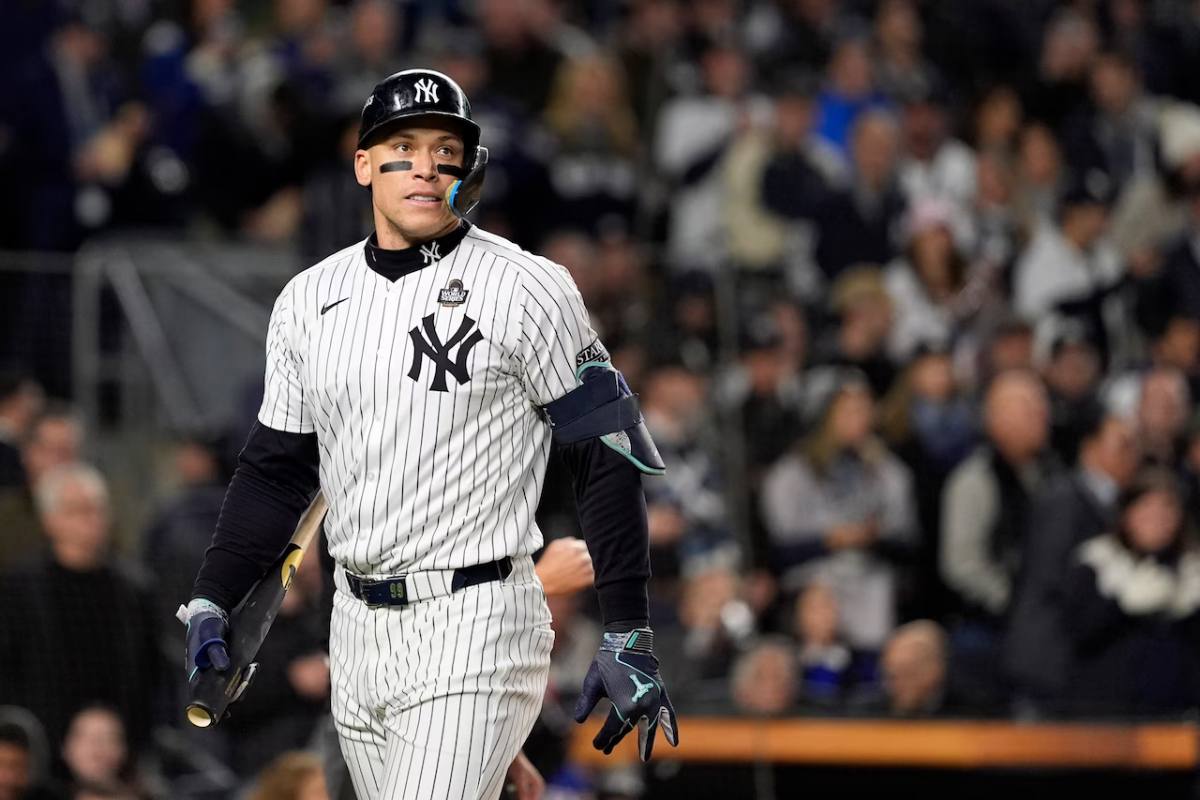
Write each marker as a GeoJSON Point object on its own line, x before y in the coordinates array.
{"type": "Point", "coordinates": [207, 633]}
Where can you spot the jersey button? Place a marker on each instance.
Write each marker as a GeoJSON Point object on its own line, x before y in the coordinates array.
{"type": "Point", "coordinates": [371, 476]}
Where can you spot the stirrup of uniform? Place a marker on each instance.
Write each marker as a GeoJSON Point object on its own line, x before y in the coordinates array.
{"type": "Point", "coordinates": [603, 407]}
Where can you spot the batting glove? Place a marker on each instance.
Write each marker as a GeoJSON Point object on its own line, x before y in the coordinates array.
{"type": "Point", "coordinates": [626, 672]}
{"type": "Point", "coordinates": [207, 631]}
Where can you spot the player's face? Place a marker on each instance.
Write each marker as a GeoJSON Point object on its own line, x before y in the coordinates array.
{"type": "Point", "coordinates": [411, 202]}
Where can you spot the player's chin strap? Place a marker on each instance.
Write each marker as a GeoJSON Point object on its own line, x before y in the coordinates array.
{"type": "Point", "coordinates": [603, 407]}
{"type": "Point", "coordinates": [463, 194]}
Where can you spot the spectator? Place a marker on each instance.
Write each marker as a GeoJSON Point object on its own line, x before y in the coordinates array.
{"type": "Point", "coordinates": [693, 136]}
{"type": "Point", "coordinates": [1008, 346]}
{"type": "Point", "coordinates": [849, 92]}
{"type": "Point", "coordinates": [650, 51]}
{"type": "Point", "coordinates": [291, 776]}
{"type": "Point", "coordinates": [90, 620]}
{"type": "Point", "coordinates": [369, 53]}
{"type": "Point", "coordinates": [1117, 135]}
{"type": "Point", "coordinates": [1174, 291]}
{"type": "Point", "coordinates": [930, 424]}
{"type": "Point", "coordinates": [860, 335]}
{"type": "Point", "coordinates": [764, 679]}
{"type": "Point", "coordinates": [1071, 370]}
{"type": "Point", "coordinates": [1072, 508]}
{"type": "Point", "coordinates": [915, 670]}
{"type": "Point", "coordinates": [715, 624]}
{"type": "Point", "coordinates": [1069, 47]}
{"type": "Point", "coordinates": [926, 284]}
{"type": "Point", "coordinates": [860, 223]}
{"type": "Point", "coordinates": [840, 509]}
{"type": "Point", "coordinates": [776, 178]}
{"type": "Point", "coordinates": [96, 752]}
{"type": "Point", "coordinates": [986, 502]}
{"type": "Point", "coordinates": [1162, 416]}
{"type": "Point", "coordinates": [55, 439]}
{"type": "Point", "coordinates": [1039, 177]}
{"type": "Point", "coordinates": [1152, 212]}
{"type": "Point", "coordinates": [686, 510]}
{"type": "Point", "coordinates": [934, 164]}
{"type": "Point", "coordinates": [793, 36]}
{"type": "Point", "coordinates": [998, 122]}
{"type": "Point", "coordinates": [1133, 599]}
{"type": "Point", "coordinates": [19, 768]}
{"type": "Point", "coordinates": [985, 516]}
{"type": "Point", "coordinates": [900, 68]}
{"type": "Point", "coordinates": [174, 543]}
{"type": "Point", "coordinates": [825, 660]}
{"type": "Point", "coordinates": [1068, 271]}
{"type": "Point", "coordinates": [20, 404]}
{"type": "Point", "coordinates": [593, 169]}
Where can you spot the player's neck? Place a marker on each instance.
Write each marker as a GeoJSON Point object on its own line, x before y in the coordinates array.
{"type": "Point", "coordinates": [389, 237]}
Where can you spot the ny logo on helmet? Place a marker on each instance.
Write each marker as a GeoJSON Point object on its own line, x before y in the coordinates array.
{"type": "Point", "coordinates": [431, 346]}
{"type": "Point", "coordinates": [426, 91]}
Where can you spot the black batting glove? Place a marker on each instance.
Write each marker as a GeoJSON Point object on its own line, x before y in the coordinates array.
{"type": "Point", "coordinates": [207, 634]}
{"type": "Point", "coordinates": [626, 672]}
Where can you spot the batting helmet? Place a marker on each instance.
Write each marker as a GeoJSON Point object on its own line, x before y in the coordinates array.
{"type": "Point", "coordinates": [418, 93]}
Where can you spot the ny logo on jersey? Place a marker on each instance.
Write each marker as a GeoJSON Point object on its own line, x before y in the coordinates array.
{"type": "Point", "coordinates": [431, 347]}
{"type": "Point", "coordinates": [426, 91]}
{"type": "Point", "coordinates": [431, 252]}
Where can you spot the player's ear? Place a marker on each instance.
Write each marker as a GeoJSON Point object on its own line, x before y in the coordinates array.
{"type": "Point", "coordinates": [362, 167]}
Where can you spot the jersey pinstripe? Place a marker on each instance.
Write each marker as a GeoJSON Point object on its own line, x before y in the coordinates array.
{"type": "Point", "coordinates": [424, 394]}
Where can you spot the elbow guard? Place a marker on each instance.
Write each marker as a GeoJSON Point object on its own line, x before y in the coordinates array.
{"type": "Point", "coordinates": [603, 407]}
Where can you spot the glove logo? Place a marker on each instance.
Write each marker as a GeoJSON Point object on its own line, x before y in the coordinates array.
{"type": "Point", "coordinates": [640, 689]}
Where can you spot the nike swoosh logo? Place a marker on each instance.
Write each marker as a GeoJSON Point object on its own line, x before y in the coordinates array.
{"type": "Point", "coordinates": [328, 306]}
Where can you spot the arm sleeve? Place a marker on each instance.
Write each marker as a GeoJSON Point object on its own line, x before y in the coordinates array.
{"type": "Point", "coordinates": [276, 477]}
{"type": "Point", "coordinates": [612, 514]}
{"type": "Point", "coordinates": [968, 509]}
{"type": "Point", "coordinates": [557, 339]}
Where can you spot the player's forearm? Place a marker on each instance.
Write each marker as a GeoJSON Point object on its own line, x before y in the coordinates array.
{"type": "Point", "coordinates": [274, 481]}
{"type": "Point", "coordinates": [612, 514]}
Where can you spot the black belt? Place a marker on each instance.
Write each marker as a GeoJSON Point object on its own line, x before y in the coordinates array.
{"type": "Point", "coordinates": [394, 591]}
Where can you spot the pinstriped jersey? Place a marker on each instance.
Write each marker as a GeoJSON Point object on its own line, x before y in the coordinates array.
{"type": "Point", "coordinates": [425, 394]}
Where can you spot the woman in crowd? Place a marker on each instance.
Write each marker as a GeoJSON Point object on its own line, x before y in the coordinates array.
{"type": "Point", "coordinates": [1133, 596]}
{"type": "Point", "coordinates": [839, 509]}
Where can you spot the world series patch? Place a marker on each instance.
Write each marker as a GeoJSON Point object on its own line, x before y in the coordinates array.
{"type": "Point", "coordinates": [453, 295]}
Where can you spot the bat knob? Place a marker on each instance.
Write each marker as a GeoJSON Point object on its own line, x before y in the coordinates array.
{"type": "Point", "coordinates": [199, 716]}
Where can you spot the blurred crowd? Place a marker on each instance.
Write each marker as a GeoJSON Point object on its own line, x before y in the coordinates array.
{"type": "Point", "coordinates": [910, 290]}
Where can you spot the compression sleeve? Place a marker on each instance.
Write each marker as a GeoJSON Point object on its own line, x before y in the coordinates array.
{"type": "Point", "coordinates": [275, 480]}
{"type": "Point", "coordinates": [612, 514]}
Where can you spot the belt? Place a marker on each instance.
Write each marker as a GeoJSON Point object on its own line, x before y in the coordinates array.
{"type": "Point", "coordinates": [395, 591]}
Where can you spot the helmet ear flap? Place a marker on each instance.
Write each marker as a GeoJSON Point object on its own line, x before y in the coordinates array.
{"type": "Point", "coordinates": [463, 194]}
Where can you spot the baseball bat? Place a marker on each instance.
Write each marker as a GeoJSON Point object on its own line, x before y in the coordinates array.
{"type": "Point", "coordinates": [212, 692]}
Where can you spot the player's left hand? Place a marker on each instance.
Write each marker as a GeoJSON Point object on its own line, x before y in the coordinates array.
{"type": "Point", "coordinates": [524, 782]}
{"type": "Point", "coordinates": [626, 672]}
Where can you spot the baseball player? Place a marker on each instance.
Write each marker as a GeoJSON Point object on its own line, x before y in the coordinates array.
{"type": "Point", "coordinates": [419, 378]}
